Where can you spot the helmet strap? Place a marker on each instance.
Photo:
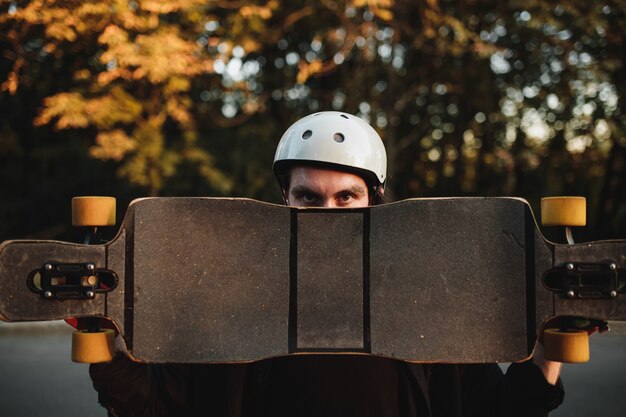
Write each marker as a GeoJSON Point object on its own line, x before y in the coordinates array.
{"type": "Point", "coordinates": [283, 192]}
{"type": "Point", "coordinates": [376, 195]}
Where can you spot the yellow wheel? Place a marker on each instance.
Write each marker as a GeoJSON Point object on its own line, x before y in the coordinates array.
{"type": "Point", "coordinates": [563, 211]}
{"type": "Point", "coordinates": [93, 347]}
{"type": "Point", "coordinates": [93, 211]}
{"type": "Point", "coordinates": [566, 346]}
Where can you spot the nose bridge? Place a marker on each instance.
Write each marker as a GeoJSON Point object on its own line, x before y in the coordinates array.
{"type": "Point", "coordinates": [329, 202]}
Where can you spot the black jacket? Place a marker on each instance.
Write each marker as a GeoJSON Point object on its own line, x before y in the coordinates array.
{"type": "Point", "coordinates": [324, 385]}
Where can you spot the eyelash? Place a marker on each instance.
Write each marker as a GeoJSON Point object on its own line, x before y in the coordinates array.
{"type": "Point", "coordinates": [309, 197]}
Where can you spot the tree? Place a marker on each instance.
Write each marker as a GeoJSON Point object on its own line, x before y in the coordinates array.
{"type": "Point", "coordinates": [191, 97]}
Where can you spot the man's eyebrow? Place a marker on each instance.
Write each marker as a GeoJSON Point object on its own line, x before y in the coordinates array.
{"type": "Point", "coordinates": [301, 189]}
{"type": "Point", "coordinates": [355, 189]}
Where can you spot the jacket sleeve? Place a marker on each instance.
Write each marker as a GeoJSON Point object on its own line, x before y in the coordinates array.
{"type": "Point", "coordinates": [526, 393]}
{"type": "Point", "coordinates": [522, 392]}
{"type": "Point", "coordinates": [129, 389]}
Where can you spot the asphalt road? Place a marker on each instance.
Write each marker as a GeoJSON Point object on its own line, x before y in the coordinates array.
{"type": "Point", "coordinates": [37, 377]}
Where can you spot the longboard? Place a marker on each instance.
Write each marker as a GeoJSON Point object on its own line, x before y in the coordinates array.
{"type": "Point", "coordinates": [213, 280]}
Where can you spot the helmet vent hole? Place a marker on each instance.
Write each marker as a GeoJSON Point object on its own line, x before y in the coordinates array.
{"type": "Point", "coordinates": [344, 116]}
{"type": "Point", "coordinates": [307, 134]}
{"type": "Point", "coordinates": [338, 137]}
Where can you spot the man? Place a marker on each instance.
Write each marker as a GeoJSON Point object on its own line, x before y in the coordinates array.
{"type": "Point", "coordinates": [326, 149]}
{"type": "Point", "coordinates": [329, 159]}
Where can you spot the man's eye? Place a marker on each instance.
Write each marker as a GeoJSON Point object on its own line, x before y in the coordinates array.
{"type": "Point", "coordinates": [346, 197]}
{"type": "Point", "coordinates": [308, 198]}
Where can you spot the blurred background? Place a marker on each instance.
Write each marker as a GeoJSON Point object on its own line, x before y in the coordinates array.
{"type": "Point", "coordinates": [189, 98]}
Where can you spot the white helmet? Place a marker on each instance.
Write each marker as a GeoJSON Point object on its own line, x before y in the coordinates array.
{"type": "Point", "coordinates": [333, 138]}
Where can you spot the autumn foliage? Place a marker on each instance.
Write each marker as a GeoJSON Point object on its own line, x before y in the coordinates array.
{"type": "Point", "coordinates": [191, 96]}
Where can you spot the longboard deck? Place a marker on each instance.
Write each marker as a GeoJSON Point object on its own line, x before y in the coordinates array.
{"type": "Point", "coordinates": [205, 280]}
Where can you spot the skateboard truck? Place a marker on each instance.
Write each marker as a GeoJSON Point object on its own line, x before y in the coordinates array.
{"type": "Point", "coordinates": [60, 281]}
{"type": "Point", "coordinates": [586, 280]}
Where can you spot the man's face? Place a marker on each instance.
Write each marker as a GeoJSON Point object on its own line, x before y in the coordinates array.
{"type": "Point", "coordinates": [316, 187]}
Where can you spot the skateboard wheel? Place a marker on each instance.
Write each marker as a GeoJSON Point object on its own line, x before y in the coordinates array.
{"type": "Point", "coordinates": [566, 346]}
{"type": "Point", "coordinates": [93, 211]}
{"type": "Point", "coordinates": [563, 211]}
{"type": "Point", "coordinates": [93, 347]}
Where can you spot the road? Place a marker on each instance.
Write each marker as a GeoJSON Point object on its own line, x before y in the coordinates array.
{"type": "Point", "coordinates": [38, 379]}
